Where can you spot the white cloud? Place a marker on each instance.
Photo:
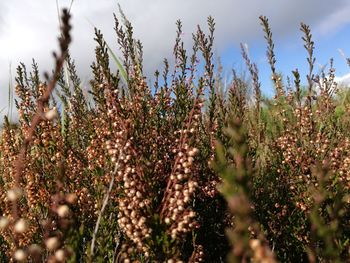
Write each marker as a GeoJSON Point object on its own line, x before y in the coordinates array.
{"type": "Point", "coordinates": [335, 20]}
{"type": "Point", "coordinates": [343, 80]}
{"type": "Point", "coordinates": [28, 28]}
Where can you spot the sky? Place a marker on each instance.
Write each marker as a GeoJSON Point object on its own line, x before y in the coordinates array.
{"type": "Point", "coordinates": [29, 29]}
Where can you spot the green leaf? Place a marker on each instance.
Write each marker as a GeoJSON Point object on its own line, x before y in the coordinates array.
{"type": "Point", "coordinates": [119, 65]}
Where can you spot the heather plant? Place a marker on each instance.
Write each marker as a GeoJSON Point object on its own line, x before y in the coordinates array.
{"type": "Point", "coordinates": [287, 196]}
{"type": "Point", "coordinates": [129, 172]}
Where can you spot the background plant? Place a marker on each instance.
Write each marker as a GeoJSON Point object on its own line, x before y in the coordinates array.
{"type": "Point", "coordinates": [137, 173]}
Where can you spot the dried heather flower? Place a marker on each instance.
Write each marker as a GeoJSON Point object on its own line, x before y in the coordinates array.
{"type": "Point", "coordinates": [4, 222]}
{"type": "Point", "coordinates": [71, 198]}
{"type": "Point", "coordinates": [52, 243]}
{"type": "Point", "coordinates": [60, 255]}
{"type": "Point", "coordinates": [14, 194]}
{"type": "Point", "coordinates": [20, 255]}
{"type": "Point", "coordinates": [21, 226]}
{"type": "Point", "coordinates": [63, 211]}
{"type": "Point", "coordinates": [35, 250]}
{"type": "Point", "coordinates": [51, 114]}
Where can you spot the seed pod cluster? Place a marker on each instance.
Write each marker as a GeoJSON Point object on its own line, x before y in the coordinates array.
{"type": "Point", "coordinates": [178, 215]}
{"type": "Point", "coordinates": [133, 204]}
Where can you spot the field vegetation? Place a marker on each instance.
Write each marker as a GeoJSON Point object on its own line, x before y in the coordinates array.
{"type": "Point", "coordinates": [187, 169]}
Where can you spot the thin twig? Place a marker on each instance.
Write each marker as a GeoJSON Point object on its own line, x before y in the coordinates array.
{"type": "Point", "coordinates": [105, 202]}
{"type": "Point", "coordinates": [116, 248]}
{"type": "Point", "coordinates": [39, 116]}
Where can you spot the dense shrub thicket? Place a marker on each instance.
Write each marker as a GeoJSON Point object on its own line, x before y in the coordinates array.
{"type": "Point", "coordinates": [185, 170]}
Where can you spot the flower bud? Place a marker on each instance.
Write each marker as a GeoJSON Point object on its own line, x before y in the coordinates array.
{"type": "Point", "coordinates": [52, 243]}
{"type": "Point", "coordinates": [14, 194]}
{"type": "Point", "coordinates": [20, 255]}
{"type": "Point", "coordinates": [60, 255]}
{"type": "Point", "coordinates": [63, 211]}
{"type": "Point", "coordinates": [254, 243]}
{"type": "Point", "coordinates": [34, 249]}
{"type": "Point", "coordinates": [51, 114]}
{"type": "Point", "coordinates": [71, 198]}
{"type": "Point", "coordinates": [3, 222]}
{"type": "Point", "coordinates": [21, 226]}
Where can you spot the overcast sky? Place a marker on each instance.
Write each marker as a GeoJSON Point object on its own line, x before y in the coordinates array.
{"type": "Point", "coordinates": [29, 28]}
